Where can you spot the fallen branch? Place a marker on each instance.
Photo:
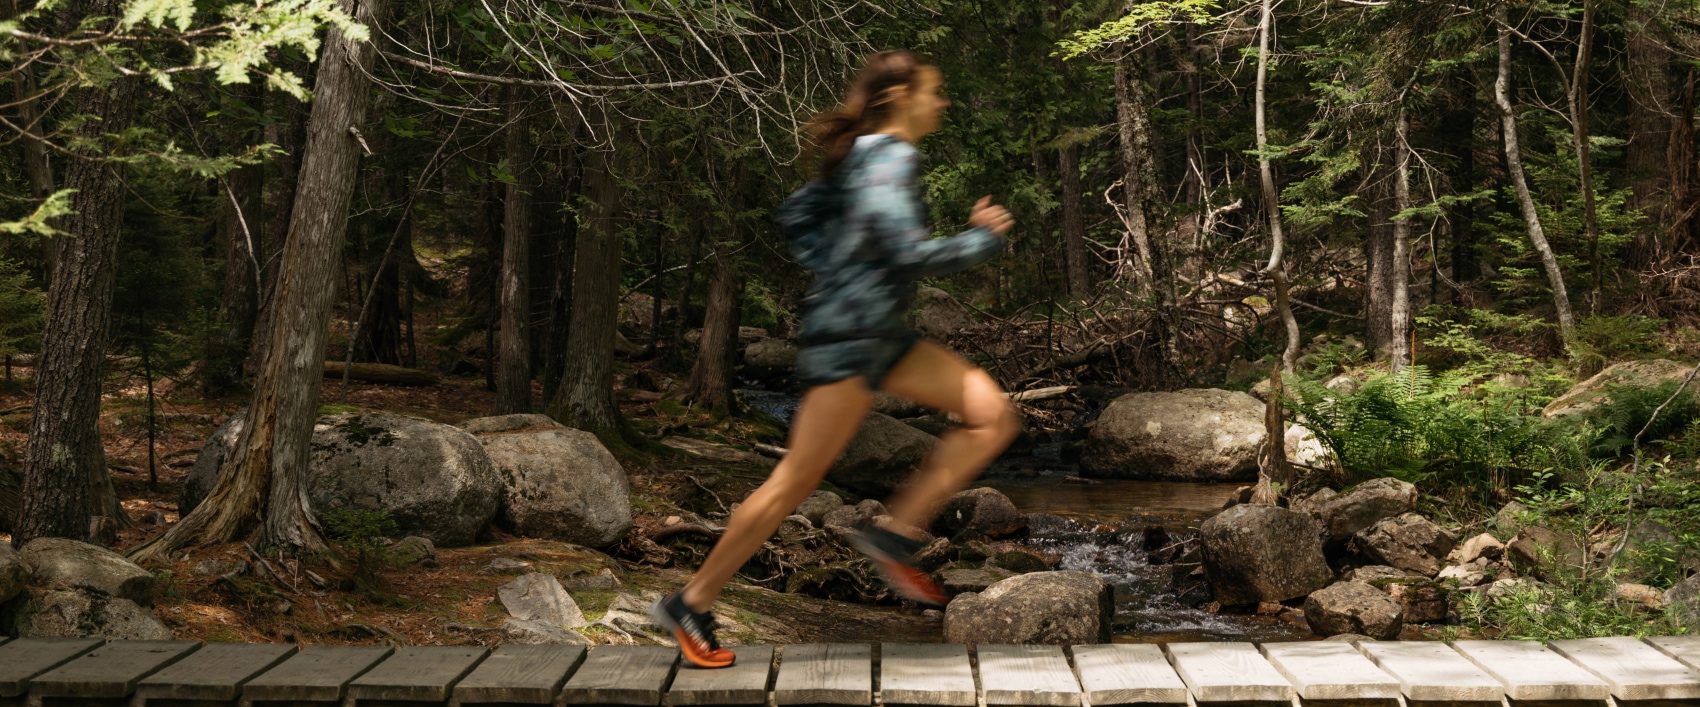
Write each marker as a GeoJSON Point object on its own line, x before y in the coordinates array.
{"type": "Point", "coordinates": [382, 373]}
{"type": "Point", "coordinates": [1028, 396]}
{"type": "Point", "coordinates": [686, 528]}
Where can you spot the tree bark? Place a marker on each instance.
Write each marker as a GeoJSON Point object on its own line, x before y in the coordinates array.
{"type": "Point", "coordinates": [1277, 267]}
{"type": "Point", "coordinates": [1578, 95]}
{"type": "Point", "coordinates": [1074, 225]}
{"type": "Point", "coordinates": [1378, 259]}
{"type": "Point", "coordinates": [289, 136]}
{"type": "Point", "coordinates": [1514, 163]}
{"type": "Point", "coordinates": [585, 399]}
{"type": "Point", "coordinates": [710, 384]}
{"type": "Point", "coordinates": [1399, 349]}
{"type": "Point", "coordinates": [1133, 126]}
{"type": "Point", "coordinates": [561, 285]}
{"type": "Point", "coordinates": [1650, 122]}
{"type": "Point", "coordinates": [268, 463]}
{"type": "Point", "coordinates": [513, 374]}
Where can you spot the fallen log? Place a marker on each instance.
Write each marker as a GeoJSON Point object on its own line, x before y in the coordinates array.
{"type": "Point", "coordinates": [381, 373]}
{"type": "Point", "coordinates": [1028, 396]}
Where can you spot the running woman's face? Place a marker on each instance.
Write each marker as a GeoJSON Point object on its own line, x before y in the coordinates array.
{"type": "Point", "coordinates": [921, 109]}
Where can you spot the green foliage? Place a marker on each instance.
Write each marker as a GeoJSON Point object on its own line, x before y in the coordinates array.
{"type": "Point", "coordinates": [357, 527]}
{"type": "Point", "coordinates": [1628, 408]}
{"type": "Point", "coordinates": [22, 307]}
{"type": "Point", "coordinates": [1143, 17]}
{"type": "Point", "coordinates": [1602, 339]}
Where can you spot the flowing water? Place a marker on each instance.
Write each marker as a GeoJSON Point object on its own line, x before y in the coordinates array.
{"type": "Point", "coordinates": [1096, 527]}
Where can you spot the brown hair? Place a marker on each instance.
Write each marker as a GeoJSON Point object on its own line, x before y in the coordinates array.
{"type": "Point", "coordinates": [865, 108]}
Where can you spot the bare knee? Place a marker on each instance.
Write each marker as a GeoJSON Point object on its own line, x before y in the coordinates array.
{"type": "Point", "coordinates": [995, 419]}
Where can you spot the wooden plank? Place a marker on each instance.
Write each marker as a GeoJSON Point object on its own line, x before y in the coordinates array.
{"type": "Point", "coordinates": [825, 674]}
{"type": "Point", "coordinates": [621, 675]}
{"type": "Point", "coordinates": [215, 672]}
{"type": "Point", "coordinates": [1228, 672]}
{"type": "Point", "coordinates": [1324, 670]}
{"type": "Point", "coordinates": [1125, 674]}
{"type": "Point", "coordinates": [26, 658]}
{"type": "Point", "coordinates": [517, 674]}
{"type": "Point", "coordinates": [1634, 670]}
{"type": "Point", "coordinates": [110, 671]}
{"type": "Point", "coordinates": [316, 674]}
{"type": "Point", "coordinates": [1531, 672]}
{"type": "Point", "coordinates": [1432, 672]}
{"type": "Point", "coordinates": [1027, 675]}
{"type": "Point", "coordinates": [1685, 649]}
{"type": "Point", "coordinates": [417, 674]}
{"type": "Point", "coordinates": [938, 674]}
{"type": "Point", "coordinates": [743, 683]}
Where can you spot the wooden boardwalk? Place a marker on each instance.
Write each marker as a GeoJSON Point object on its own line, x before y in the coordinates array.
{"type": "Point", "coordinates": [1626, 672]}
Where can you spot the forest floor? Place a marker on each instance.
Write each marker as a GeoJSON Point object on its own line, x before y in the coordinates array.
{"type": "Point", "coordinates": [320, 601]}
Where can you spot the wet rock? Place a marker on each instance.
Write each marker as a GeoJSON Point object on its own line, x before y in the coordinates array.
{"type": "Point", "coordinates": [540, 597]}
{"type": "Point", "coordinates": [1641, 594]}
{"type": "Point", "coordinates": [1185, 435]}
{"type": "Point", "coordinates": [1370, 573]}
{"type": "Point", "coordinates": [1466, 576]}
{"type": "Point", "coordinates": [67, 565]}
{"type": "Point", "coordinates": [817, 505]}
{"type": "Point", "coordinates": [1160, 547]}
{"type": "Point", "coordinates": [1423, 600]}
{"type": "Point", "coordinates": [937, 314]}
{"type": "Point", "coordinates": [1482, 545]}
{"type": "Point", "coordinates": [11, 573]}
{"type": "Point", "coordinates": [1409, 542]}
{"type": "Point", "coordinates": [51, 613]}
{"type": "Point", "coordinates": [936, 554]}
{"type": "Point", "coordinates": [540, 633]}
{"type": "Point", "coordinates": [958, 581]}
{"type": "Point", "coordinates": [506, 565]}
{"type": "Point", "coordinates": [850, 516]}
{"type": "Point", "coordinates": [1256, 553]}
{"type": "Point", "coordinates": [603, 581]}
{"type": "Point", "coordinates": [1588, 395]}
{"type": "Point", "coordinates": [559, 483]}
{"type": "Point", "coordinates": [1354, 607]}
{"type": "Point", "coordinates": [978, 513]}
{"type": "Point", "coordinates": [880, 456]}
{"type": "Point", "coordinates": [507, 423]}
{"type": "Point", "coordinates": [1052, 608]}
{"type": "Point", "coordinates": [1019, 562]}
{"type": "Point", "coordinates": [1543, 551]}
{"type": "Point", "coordinates": [770, 360]}
{"type": "Point", "coordinates": [411, 550]}
{"type": "Point", "coordinates": [1682, 600]}
{"type": "Point", "coordinates": [1364, 505]}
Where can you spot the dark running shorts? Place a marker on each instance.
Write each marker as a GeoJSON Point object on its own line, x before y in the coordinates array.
{"type": "Point", "coordinates": [842, 360]}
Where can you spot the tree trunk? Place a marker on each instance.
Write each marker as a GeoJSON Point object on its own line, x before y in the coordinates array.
{"type": "Point", "coordinates": [586, 397]}
{"type": "Point", "coordinates": [1277, 267]}
{"type": "Point", "coordinates": [710, 384]}
{"type": "Point", "coordinates": [240, 226]}
{"type": "Point", "coordinates": [1578, 95]}
{"type": "Point", "coordinates": [1074, 226]}
{"type": "Point", "coordinates": [289, 136]}
{"type": "Point", "coordinates": [1650, 122]}
{"type": "Point", "coordinates": [1192, 183]}
{"type": "Point", "coordinates": [1458, 131]}
{"type": "Point", "coordinates": [67, 491]}
{"type": "Point", "coordinates": [561, 285]}
{"type": "Point", "coordinates": [268, 463]}
{"type": "Point", "coordinates": [1378, 258]}
{"type": "Point", "coordinates": [513, 374]}
{"type": "Point", "coordinates": [1399, 315]}
{"type": "Point", "coordinates": [1514, 165]}
{"type": "Point", "coordinates": [1133, 126]}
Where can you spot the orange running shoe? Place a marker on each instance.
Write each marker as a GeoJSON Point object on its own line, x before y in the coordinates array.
{"type": "Point", "coordinates": [891, 553]}
{"type": "Point", "coordinates": [693, 630]}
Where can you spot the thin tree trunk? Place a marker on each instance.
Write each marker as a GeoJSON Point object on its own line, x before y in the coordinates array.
{"type": "Point", "coordinates": [1192, 183]}
{"type": "Point", "coordinates": [513, 374]}
{"type": "Point", "coordinates": [1399, 349]}
{"type": "Point", "coordinates": [1131, 123]}
{"type": "Point", "coordinates": [291, 135]}
{"type": "Point", "coordinates": [1514, 163]}
{"type": "Point", "coordinates": [153, 422]}
{"type": "Point", "coordinates": [561, 285]}
{"type": "Point", "coordinates": [1650, 121]}
{"type": "Point", "coordinates": [1578, 95]}
{"type": "Point", "coordinates": [1277, 267]}
{"type": "Point", "coordinates": [710, 384]}
{"type": "Point", "coordinates": [268, 463]}
{"type": "Point", "coordinates": [1378, 257]}
{"type": "Point", "coordinates": [586, 397]}
{"type": "Point", "coordinates": [1074, 225]}
{"type": "Point", "coordinates": [67, 491]}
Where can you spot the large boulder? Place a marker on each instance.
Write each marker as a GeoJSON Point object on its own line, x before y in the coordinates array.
{"type": "Point", "coordinates": [979, 513]}
{"type": "Point", "coordinates": [770, 359]}
{"type": "Point", "coordinates": [435, 480]}
{"type": "Point", "coordinates": [11, 573]}
{"type": "Point", "coordinates": [1364, 505]}
{"type": "Point", "coordinates": [1354, 607]}
{"type": "Point", "coordinates": [1682, 600]}
{"type": "Point", "coordinates": [1054, 608]}
{"type": "Point", "coordinates": [1588, 395]}
{"type": "Point", "coordinates": [53, 613]}
{"type": "Point", "coordinates": [1186, 435]}
{"type": "Point", "coordinates": [1544, 552]}
{"type": "Point", "coordinates": [937, 314]}
{"type": "Point", "coordinates": [880, 456]}
{"type": "Point", "coordinates": [558, 483]}
{"type": "Point", "coordinates": [59, 564]}
{"type": "Point", "coordinates": [507, 423]}
{"type": "Point", "coordinates": [1255, 553]}
{"type": "Point", "coordinates": [1409, 542]}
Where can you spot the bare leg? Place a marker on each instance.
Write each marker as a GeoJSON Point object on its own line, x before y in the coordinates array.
{"type": "Point", "coordinates": [933, 376]}
{"type": "Point", "coordinates": [827, 418]}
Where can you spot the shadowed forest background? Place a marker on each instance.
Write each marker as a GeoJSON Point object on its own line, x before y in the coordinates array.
{"type": "Point", "coordinates": [1410, 225]}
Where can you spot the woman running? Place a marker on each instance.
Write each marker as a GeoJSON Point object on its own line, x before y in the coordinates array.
{"type": "Point", "coordinates": [861, 228]}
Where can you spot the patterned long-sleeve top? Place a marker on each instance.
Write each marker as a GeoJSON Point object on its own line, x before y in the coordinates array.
{"type": "Point", "coordinates": [864, 235]}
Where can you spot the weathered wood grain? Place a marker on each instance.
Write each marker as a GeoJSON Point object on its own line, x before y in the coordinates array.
{"type": "Point", "coordinates": [216, 672]}
{"type": "Point", "coordinates": [316, 674]}
{"type": "Point", "coordinates": [621, 675]}
{"type": "Point", "coordinates": [743, 683]}
{"type": "Point", "coordinates": [932, 674]}
{"type": "Point", "coordinates": [110, 671]}
{"type": "Point", "coordinates": [1324, 670]}
{"type": "Point", "coordinates": [825, 674]}
{"type": "Point", "coordinates": [1125, 674]}
{"type": "Point", "coordinates": [26, 658]}
{"type": "Point", "coordinates": [1432, 672]}
{"type": "Point", "coordinates": [515, 674]}
{"type": "Point", "coordinates": [1634, 670]}
{"type": "Point", "coordinates": [417, 674]}
{"type": "Point", "coordinates": [1531, 672]}
{"type": "Point", "coordinates": [1685, 649]}
{"type": "Point", "coordinates": [1027, 675]}
{"type": "Point", "coordinates": [1228, 672]}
